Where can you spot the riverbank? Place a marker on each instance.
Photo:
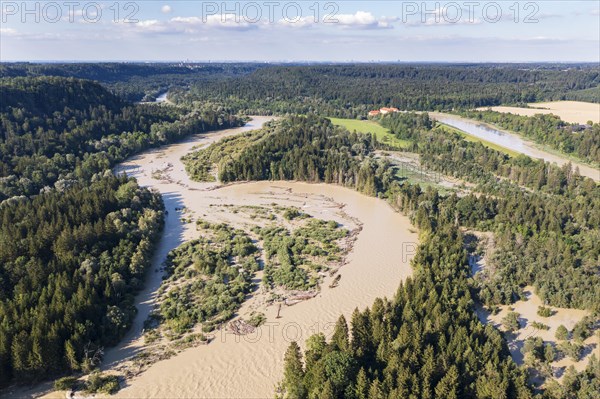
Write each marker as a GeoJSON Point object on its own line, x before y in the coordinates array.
{"type": "Point", "coordinates": [511, 141]}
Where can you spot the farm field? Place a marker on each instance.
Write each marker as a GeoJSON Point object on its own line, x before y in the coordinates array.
{"type": "Point", "coordinates": [569, 111]}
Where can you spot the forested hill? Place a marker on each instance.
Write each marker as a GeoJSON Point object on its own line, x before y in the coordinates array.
{"type": "Point", "coordinates": [131, 81]}
{"type": "Point", "coordinates": [351, 90]}
{"type": "Point", "coordinates": [119, 72]}
{"type": "Point", "coordinates": [43, 96]}
{"type": "Point", "coordinates": [334, 87]}
{"type": "Point", "coordinates": [295, 148]}
{"type": "Point", "coordinates": [60, 130]}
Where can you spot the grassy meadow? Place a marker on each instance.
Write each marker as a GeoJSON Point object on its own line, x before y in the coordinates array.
{"type": "Point", "coordinates": [366, 126]}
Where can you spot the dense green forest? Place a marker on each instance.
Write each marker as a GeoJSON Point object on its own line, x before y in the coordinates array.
{"type": "Point", "coordinates": [352, 90]}
{"type": "Point", "coordinates": [545, 235]}
{"type": "Point", "coordinates": [70, 262]}
{"type": "Point", "coordinates": [295, 148]}
{"type": "Point", "coordinates": [59, 130]}
{"type": "Point", "coordinates": [333, 89]}
{"type": "Point", "coordinates": [591, 95]}
{"type": "Point", "coordinates": [75, 239]}
{"type": "Point", "coordinates": [132, 81]}
{"type": "Point", "coordinates": [573, 139]}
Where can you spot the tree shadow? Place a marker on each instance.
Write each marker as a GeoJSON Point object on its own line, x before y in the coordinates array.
{"type": "Point", "coordinates": [515, 347]}
{"type": "Point", "coordinates": [558, 371]}
{"type": "Point", "coordinates": [588, 350]}
{"type": "Point", "coordinates": [483, 314]}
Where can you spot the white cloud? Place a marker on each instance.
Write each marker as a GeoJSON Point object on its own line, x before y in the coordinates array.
{"type": "Point", "coordinates": [233, 22]}
{"type": "Point", "coordinates": [187, 20]}
{"type": "Point", "coordinates": [151, 25]}
{"type": "Point", "coordinates": [166, 9]}
{"type": "Point", "coordinates": [302, 22]}
{"type": "Point", "coordinates": [225, 21]}
{"type": "Point", "coordinates": [363, 20]}
{"type": "Point", "coordinates": [8, 32]}
{"type": "Point", "coordinates": [188, 25]}
{"type": "Point", "coordinates": [433, 21]}
{"type": "Point", "coordinates": [147, 26]}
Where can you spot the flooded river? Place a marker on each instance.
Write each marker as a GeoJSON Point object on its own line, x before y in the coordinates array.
{"type": "Point", "coordinates": [251, 366]}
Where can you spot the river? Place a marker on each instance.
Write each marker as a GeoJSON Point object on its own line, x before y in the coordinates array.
{"type": "Point", "coordinates": [252, 366]}
{"type": "Point", "coordinates": [511, 141]}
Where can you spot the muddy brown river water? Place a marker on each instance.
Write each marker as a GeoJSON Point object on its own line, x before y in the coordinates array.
{"type": "Point", "coordinates": [251, 366]}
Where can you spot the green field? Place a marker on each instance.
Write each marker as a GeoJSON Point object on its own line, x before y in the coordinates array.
{"type": "Point", "coordinates": [468, 137]}
{"type": "Point", "coordinates": [364, 126]}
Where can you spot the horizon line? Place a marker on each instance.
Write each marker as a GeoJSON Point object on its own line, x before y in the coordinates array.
{"type": "Point", "coordinates": [287, 62]}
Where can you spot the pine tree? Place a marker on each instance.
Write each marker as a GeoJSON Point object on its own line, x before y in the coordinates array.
{"type": "Point", "coordinates": [20, 349]}
{"type": "Point", "coordinates": [549, 352]}
{"type": "Point", "coordinates": [362, 385]}
{"type": "Point", "coordinates": [447, 388]}
{"type": "Point", "coordinates": [36, 360]}
{"type": "Point", "coordinates": [316, 346]}
{"type": "Point", "coordinates": [361, 343]}
{"type": "Point", "coordinates": [376, 391]}
{"type": "Point", "coordinates": [562, 333]}
{"type": "Point", "coordinates": [293, 373]}
{"type": "Point", "coordinates": [71, 356]}
{"type": "Point", "coordinates": [327, 392]}
{"type": "Point", "coordinates": [340, 340]}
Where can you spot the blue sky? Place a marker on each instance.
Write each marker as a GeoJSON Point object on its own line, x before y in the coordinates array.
{"type": "Point", "coordinates": [179, 30]}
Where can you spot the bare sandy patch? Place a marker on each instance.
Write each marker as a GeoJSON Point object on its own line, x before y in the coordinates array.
{"type": "Point", "coordinates": [527, 310]}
